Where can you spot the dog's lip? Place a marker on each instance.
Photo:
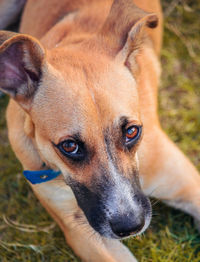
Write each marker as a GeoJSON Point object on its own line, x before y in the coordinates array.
{"type": "Point", "coordinates": [131, 235]}
{"type": "Point", "coordinates": [112, 235]}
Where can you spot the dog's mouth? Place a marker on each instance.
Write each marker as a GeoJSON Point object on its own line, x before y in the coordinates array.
{"type": "Point", "coordinates": [112, 213]}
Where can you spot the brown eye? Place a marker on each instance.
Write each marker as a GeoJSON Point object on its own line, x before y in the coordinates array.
{"type": "Point", "coordinates": [70, 147]}
{"type": "Point", "coordinates": [131, 133]}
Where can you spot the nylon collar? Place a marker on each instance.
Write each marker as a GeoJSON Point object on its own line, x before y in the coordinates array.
{"type": "Point", "coordinates": [41, 176]}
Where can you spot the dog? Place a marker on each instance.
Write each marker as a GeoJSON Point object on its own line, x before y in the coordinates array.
{"type": "Point", "coordinates": [82, 119]}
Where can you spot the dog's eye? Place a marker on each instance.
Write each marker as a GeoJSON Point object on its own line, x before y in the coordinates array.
{"type": "Point", "coordinates": [70, 147]}
{"type": "Point", "coordinates": [132, 133]}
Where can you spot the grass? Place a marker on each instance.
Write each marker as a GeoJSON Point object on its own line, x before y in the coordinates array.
{"type": "Point", "coordinates": [27, 232]}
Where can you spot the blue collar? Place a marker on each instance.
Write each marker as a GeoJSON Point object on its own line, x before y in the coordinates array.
{"type": "Point", "coordinates": [41, 176]}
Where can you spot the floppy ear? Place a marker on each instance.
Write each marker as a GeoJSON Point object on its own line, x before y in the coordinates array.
{"type": "Point", "coordinates": [21, 59]}
{"type": "Point", "coordinates": [124, 28]}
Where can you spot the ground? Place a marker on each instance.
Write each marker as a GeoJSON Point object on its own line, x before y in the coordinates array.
{"type": "Point", "coordinates": [27, 232]}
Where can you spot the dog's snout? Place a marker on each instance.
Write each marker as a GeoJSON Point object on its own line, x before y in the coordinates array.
{"type": "Point", "coordinates": [112, 212]}
{"type": "Point", "coordinates": [126, 225]}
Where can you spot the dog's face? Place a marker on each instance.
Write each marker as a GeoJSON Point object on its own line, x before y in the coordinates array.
{"type": "Point", "coordinates": [85, 111]}
{"type": "Point", "coordinates": [87, 124]}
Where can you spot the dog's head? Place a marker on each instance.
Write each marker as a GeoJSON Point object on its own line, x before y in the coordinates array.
{"type": "Point", "coordinates": [83, 103]}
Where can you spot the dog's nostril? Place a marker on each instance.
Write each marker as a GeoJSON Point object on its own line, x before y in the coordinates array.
{"type": "Point", "coordinates": [124, 228]}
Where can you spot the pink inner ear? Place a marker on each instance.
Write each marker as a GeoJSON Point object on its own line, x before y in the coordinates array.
{"type": "Point", "coordinates": [18, 74]}
{"type": "Point", "coordinates": [12, 74]}
{"type": "Point", "coordinates": [11, 71]}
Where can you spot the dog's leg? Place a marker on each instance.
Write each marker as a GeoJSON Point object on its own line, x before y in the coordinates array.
{"type": "Point", "coordinates": [168, 174]}
{"type": "Point", "coordinates": [59, 201]}
{"type": "Point", "coordinates": [9, 11]}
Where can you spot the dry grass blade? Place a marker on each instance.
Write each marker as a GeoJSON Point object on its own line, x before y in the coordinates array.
{"type": "Point", "coordinates": [171, 7]}
{"type": "Point", "coordinates": [28, 228]}
{"type": "Point", "coordinates": [183, 39]}
{"type": "Point", "coordinates": [15, 245]}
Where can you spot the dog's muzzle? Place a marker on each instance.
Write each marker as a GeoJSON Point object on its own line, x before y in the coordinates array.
{"type": "Point", "coordinates": [114, 211]}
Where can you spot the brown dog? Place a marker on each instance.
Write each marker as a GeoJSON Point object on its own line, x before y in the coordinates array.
{"type": "Point", "coordinates": [84, 101]}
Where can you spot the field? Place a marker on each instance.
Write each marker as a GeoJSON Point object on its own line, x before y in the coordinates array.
{"type": "Point", "coordinates": [27, 232]}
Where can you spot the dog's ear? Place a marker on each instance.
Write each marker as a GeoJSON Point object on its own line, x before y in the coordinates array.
{"type": "Point", "coordinates": [124, 27]}
{"type": "Point", "coordinates": [21, 59]}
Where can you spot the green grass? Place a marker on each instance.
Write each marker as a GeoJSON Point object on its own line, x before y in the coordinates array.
{"type": "Point", "coordinates": [172, 235]}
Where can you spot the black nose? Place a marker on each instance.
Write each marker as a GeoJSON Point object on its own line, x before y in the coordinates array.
{"type": "Point", "coordinates": [126, 225]}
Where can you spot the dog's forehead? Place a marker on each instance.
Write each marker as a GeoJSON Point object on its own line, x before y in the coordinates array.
{"type": "Point", "coordinates": [84, 92]}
